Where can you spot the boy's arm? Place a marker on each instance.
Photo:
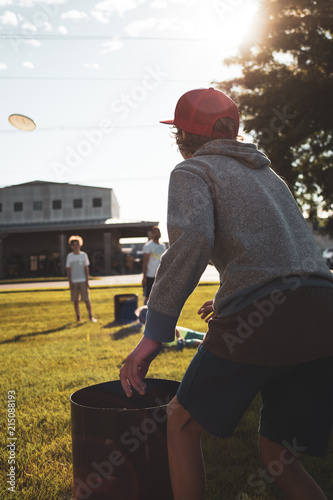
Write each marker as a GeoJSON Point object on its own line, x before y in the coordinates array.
{"type": "Point", "coordinates": [68, 270]}
{"type": "Point", "coordinates": [145, 259]}
{"type": "Point", "coordinates": [69, 276]}
{"type": "Point", "coordinates": [191, 228]}
{"type": "Point", "coordinates": [191, 235]}
{"type": "Point", "coordinates": [86, 271]}
{"type": "Point", "coordinates": [207, 311]}
{"type": "Point", "coordinates": [137, 364]}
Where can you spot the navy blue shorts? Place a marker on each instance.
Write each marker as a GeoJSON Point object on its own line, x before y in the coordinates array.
{"type": "Point", "coordinates": [148, 287]}
{"type": "Point", "coordinates": [297, 400]}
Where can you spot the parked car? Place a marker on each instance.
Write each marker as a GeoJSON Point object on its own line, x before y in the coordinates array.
{"type": "Point", "coordinates": [328, 256]}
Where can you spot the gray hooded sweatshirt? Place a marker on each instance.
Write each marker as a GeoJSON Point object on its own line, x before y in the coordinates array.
{"type": "Point", "coordinates": [226, 205]}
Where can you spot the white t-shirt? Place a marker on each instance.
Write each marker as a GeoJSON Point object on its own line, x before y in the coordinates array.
{"type": "Point", "coordinates": [155, 250]}
{"type": "Point", "coordinates": [77, 263]}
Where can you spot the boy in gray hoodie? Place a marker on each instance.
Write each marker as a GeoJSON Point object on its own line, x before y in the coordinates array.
{"type": "Point", "coordinates": [226, 205]}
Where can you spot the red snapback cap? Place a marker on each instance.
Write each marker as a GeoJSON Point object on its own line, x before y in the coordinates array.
{"type": "Point", "coordinates": [197, 111]}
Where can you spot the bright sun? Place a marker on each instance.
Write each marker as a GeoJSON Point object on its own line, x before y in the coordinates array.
{"type": "Point", "coordinates": [231, 21]}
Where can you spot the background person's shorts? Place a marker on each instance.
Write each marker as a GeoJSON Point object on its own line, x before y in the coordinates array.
{"type": "Point", "coordinates": [297, 409]}
{"type": "Point", "coordinates": [148, 287]}
{"type": "Point", "coordinates": [80, 290]}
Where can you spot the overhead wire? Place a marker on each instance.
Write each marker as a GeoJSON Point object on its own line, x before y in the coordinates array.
{"type": "Point", "coordinates": [88, 78]}
{"type": "Point", "coordinates": [13, 36]}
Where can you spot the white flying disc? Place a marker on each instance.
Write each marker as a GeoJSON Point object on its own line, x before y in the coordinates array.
{"type": "Point", "coordinates": [22, 122]}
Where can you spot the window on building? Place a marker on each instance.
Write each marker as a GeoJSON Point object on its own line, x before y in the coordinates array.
{"type": "Point", "coordinates": [77, 203]}
{"type": "Point", "coordinates": [97, 202]}
{"type": "Point", "coordinates": [18, 206]}
{"type": "Point", "coordinates": [0, 207]}
{"type": "Point", "coordinates": [56, 204]}
{"type": "Point", "coordinates": [38, 205]}
{"type": "Point", "coordinates": [33, 262]}
{"type": "Point", "coordinates": [42, 262]}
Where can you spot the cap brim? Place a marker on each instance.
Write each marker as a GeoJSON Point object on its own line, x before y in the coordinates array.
{"type": "Point", "coordinates": [167, 122]}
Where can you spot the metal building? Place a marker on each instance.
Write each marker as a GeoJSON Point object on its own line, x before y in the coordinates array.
{"type": "Point", "coordinates": [37, 218]}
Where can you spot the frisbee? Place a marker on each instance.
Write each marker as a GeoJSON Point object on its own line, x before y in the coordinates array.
{"type": "Point", "coordinates": [22, 122]}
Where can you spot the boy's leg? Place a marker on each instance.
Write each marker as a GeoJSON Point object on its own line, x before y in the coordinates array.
{"type": "Point", "coordinates": [77, 309]}
{"type": "Point", "coordinates": [88, 305]}
{"type": "Point", "coordinates": [288, 473]}
{"type": "Point", "coordinates": [185, 456]}
{"type": "Point", "coordinates": [148, 287]}
{"type": "Point", "coordinates": [75, 297]}
{"type": "Point", "coordinates": [84, 291]}
{"type": "Point", "coordinates": [297, 411]}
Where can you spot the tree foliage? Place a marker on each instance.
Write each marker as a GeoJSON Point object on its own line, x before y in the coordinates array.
{"type": "Point", "coordinates": [284, 94]}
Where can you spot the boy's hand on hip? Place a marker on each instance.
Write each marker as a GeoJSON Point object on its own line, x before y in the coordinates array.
{"type": "Point", "coordinates": [207, 311]}
{"type": "Point", "coordinates": [137, 364]}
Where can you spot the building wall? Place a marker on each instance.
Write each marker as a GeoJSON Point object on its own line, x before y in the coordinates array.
{"type": "Point", "coordinates": [34, 232]}
{"type": "Point", "coordinates": [37, 202]}
{"type": "Point", "coordinates": [42, 251]}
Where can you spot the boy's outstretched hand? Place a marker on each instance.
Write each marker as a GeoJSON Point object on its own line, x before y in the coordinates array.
{"type": "Point", "coordinates": [207, 311]}
{"type": "Point", "coordinates": [137, 364]}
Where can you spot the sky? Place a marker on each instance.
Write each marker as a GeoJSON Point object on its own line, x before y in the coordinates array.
{"type": "Point", "coordinates": [96, 77]}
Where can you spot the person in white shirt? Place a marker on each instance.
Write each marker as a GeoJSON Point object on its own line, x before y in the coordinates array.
{"type": "Point", "coordinates": [152, 253]}
{"type": "Point", "coordinates": [77, 268]}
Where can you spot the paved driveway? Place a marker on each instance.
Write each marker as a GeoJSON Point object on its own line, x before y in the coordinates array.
{"type": "Point", "coordinates": [210, 275]}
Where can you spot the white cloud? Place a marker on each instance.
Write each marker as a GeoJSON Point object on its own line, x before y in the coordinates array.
{"type": "Point", "coordinates": [3, 3]}
{"type": "Point", "coordinates": [28, 64]}
{"type": "Point", "coordinates": [92, 66]}
{"type": "Point", "coordinates": [75, 15]}
{"type": "Point", "coordinates": [46, 26]}
{"type": "Point", "coordinates": [3, 66]}
{"type": "Point", "coordinates": [27, 25]}
{"type": "Point", "coordinates": [100, 17]}
{"type": "Point", "coordinates": [39, 22]}
{"type": "Point", "coordinates": [9, 18]}
{"type": "Point", "coordinates": [33, 43]}
{"type": "Point", "coordinates": [63, 30]}
{"type": "Point", "coordinates": [112, 46]}
{"type": "Point", "coordinates": [159, 4]}
{"type": "Point", "coordinates": [119, 6]}
{"type": "Point", "coordinates": [32, 3]}
{"type": "Point", "coordinates": [137, 28]}
{"type": "Point", "coordinates": [188, 3]}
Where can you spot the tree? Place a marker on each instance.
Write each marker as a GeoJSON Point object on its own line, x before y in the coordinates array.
{"type": "Point", "coordinates": [284, 95]}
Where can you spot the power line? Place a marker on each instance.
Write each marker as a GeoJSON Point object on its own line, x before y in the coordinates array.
{"type": "Point", "coordinates": [77, 78]}
{"type": "Point", "coordinates": [63, 38]}
{"type": "Point", "coordinates": [89, 127]}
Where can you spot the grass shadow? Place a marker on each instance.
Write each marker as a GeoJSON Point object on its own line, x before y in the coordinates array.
{"type": "Point", "coordinates": [127, 331]}
{"type": "Point", "coordinates": [17, 338]}
{"type": "Point", "coordinates": [114, 323]}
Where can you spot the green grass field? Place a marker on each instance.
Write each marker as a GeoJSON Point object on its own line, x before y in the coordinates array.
{"type": "Point", "coordinates": [46, 356]}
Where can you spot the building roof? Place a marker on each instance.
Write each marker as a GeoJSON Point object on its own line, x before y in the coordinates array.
{"type": "Point", "coordinates": [44, 183]}
{"type": "Point", "coordinates": [75, 225]}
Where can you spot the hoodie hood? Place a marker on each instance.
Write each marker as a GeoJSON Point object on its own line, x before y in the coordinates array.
{"type": "Point", "coordinates": [246, 153]}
